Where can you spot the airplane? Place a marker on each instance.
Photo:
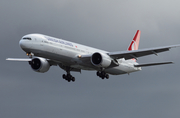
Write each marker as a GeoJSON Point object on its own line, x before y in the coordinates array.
{"type": "Point", "coordinates": [46, 51]}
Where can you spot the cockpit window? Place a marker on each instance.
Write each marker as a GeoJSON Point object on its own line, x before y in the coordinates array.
{"type": "Point", "coordinates": [27, 38]}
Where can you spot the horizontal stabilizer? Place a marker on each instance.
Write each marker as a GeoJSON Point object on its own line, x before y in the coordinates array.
{"type": "Point", "coordinates": [18, 59]}
{"type": "Point", "coordinates": [152, 64]}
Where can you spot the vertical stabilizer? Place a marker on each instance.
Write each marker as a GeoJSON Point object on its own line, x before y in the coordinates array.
{"type": "Point", "coordinates": [135, 42]}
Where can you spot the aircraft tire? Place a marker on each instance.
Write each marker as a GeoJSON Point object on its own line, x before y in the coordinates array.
{"type": "Point", "coordinates": [73, 79]}
{"type": "Point", "coordinates": [98, 73]}
{"type": "Point", "coordinates": [64, 76]}
{"type": "Point", "coordinates": [107, 76]}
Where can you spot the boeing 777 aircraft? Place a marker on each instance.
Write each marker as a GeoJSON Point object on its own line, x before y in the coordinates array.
{"type": "Point", "coordinates": [69, 56]}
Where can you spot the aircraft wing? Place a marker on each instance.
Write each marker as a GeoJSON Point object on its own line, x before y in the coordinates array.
{"type": "Point", "coordinates": [18, 59]}
{"type": "Point", "coordinates": [139, 53]}
{"type": "Point", "coordinates": [28, 60]}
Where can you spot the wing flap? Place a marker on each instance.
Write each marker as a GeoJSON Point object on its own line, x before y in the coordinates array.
{"type": "Point", "coordinates": [152, 64]}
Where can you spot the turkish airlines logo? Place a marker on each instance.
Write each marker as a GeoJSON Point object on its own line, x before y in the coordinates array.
{"type": "Point", "coordinates": [133, 46]}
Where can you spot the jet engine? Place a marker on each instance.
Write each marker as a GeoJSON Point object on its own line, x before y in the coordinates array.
{"type": "Point", "coordinates": [100, 60]}
{"type": "Point", "coordinates": [39, 65]}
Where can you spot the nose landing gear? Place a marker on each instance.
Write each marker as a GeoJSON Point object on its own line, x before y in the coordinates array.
{"type": "Point", "coordinates": [30, 54]}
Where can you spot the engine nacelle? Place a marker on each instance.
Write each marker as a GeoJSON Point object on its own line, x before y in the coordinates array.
{"type": "Point", "coordinates": [100, 60]}
{"type": "Point", "coordinates": [39, 65]}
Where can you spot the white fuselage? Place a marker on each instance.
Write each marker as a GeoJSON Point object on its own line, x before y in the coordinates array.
{"type": "Point", "coordinates": [66, 53]}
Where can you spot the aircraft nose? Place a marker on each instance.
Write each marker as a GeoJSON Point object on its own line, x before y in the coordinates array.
{"type": "Point", "coordinates": [21, 44]}
{"type": "Point", "coordinates": [25, 43]}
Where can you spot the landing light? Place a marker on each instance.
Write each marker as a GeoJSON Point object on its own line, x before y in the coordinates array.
{"type": "Point", "coordinates": [79, 56]}
{"type": "Point", "coordinates": [30, 54]}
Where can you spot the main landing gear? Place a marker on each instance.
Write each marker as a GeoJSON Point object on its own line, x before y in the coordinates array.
{"type": "Point", "coordinates": [102, 74]}
{"type": "Point", "coordinates": [68, 77]}
{"type": "Point", "coordinates": [68, 69]}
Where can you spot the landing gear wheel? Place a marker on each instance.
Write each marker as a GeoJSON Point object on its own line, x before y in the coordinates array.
{"type": "Point", "coordinates": [64, 76]}
{"type": "Point", "coordinates": [73, 79]}
{"type": "Point", "coordinates": [103, 73]}
{"type": "Point", "coordinates": [98, 73]}
{"type": "Point", "coordinates": [69, 76]}
{"type": "Point", "coordinates": [107, 76]}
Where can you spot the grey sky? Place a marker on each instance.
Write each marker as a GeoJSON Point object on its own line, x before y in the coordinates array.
{"type": "Point", "coordinates": [108, 25]}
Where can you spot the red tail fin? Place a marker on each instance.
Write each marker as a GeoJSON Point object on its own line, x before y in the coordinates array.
{"type": "Point", "coordinates": [135, 42]}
